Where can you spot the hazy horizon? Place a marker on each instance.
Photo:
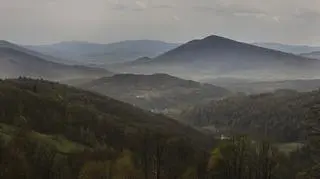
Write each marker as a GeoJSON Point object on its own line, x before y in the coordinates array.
{"type": "Point", "coordinates": [160, 40]}
{"type": "Point", "coordinates": [107, 21]}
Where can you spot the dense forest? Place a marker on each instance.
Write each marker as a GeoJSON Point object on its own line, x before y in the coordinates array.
{"type": "Point", "coordinates": [279, 116]}
{"type": "Point", "coordinates": [53, 131]}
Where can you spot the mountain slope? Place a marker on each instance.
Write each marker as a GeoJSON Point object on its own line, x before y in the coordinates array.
{"type": "Point", "coordinates": [295, 49]}
{"type": "Point", "coordinates": [17, 61]}
{"type": "Point", "coordinates": [37, 100]}
{"type": "Point", "coordinates": [277, 116]}
{"type": "Point", "coordinates": [218, 56]}
{"type": "Point", "coordinates": [157, 92]}
{"type": "Point", "coordinates": [48, 130]}
{"type": "Point", "coordinates": [105, 53]}
{"type": "Point", "coordinates": [218, 49]}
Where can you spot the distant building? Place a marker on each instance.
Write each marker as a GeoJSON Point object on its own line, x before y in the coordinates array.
{"type": "Point", "coordinates": [223, 137]}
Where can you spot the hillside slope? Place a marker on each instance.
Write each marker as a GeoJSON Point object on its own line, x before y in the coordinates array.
{"type": "Point", "coordinates": [17, 61]}
{"type": "Point", "coordinates": [157, 92]}
{"type": "Point", "coordinates": [48, 130]}
{"type": "Point", "coordinates": [278, 116]}
{"type": "Point", "coordinates": [44, 104]}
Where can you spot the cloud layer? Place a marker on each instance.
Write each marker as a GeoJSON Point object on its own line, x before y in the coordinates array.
{"type": "Point", "coordinates": [46, 21]}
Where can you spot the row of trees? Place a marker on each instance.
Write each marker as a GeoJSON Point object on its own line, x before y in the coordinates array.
{"type": "Point", "coordinates": [155, 157]}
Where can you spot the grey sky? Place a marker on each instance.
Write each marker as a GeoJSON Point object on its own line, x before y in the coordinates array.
{"type": "Point", "coordinates": [47, 21]}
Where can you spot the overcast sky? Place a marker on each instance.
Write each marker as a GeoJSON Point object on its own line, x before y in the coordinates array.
{"type": "Point", "coordinates": [104, 21]}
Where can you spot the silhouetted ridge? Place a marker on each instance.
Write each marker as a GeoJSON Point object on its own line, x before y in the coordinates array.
{"type": "Point", "coordinates": [219, 49]}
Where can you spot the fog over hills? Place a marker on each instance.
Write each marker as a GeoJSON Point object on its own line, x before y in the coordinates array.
{"type": "Point", "coordinates": [216, 56]}
{"type": "Point", "coordinates": [97, 54]}
{"type": "Point", "coordinates": [17, 61]}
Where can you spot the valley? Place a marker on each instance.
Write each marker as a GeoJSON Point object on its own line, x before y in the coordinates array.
{"type": "Point", "coordinates": [160, 93]}
{"type": "Point", "coordinates": [171, 112]}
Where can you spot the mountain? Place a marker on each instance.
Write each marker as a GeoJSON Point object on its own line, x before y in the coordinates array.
{"type": "Point", "coordinates": [95, 54]}
{"type": "Point", "coordinates": [50, 130]}
{"type": "Point", "coordinates": [254, 87]}
{"type": "Point", "coordinates": [294, 49]}
{"type": "Point", "coordinates": [314, 55]}
{"type": "Point", "coordinates": [278, 116]}
{"type": "Point", "coordinates": [157, 92]}
{"type": "Point", "coordinates": [17, 61]}
{"type": "Point", "coordinates": [218, 56]}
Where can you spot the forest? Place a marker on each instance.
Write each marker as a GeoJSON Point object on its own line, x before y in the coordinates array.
{"type": "Point", "coordinates": [54, 131]}
{"type": "Point", "coordinates": [280, 115]}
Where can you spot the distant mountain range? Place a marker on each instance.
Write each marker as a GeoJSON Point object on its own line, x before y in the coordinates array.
{"type": "Point", "coordinates": [157, 92]}
{"type": "Point", "coordinates": [18, 61]}
{"type": "Point", "coordinates": [218, 56]}
{"type": "Point", "coordinates": [100, 54]}
{"type": "Point", "coordinates": [295, 49]}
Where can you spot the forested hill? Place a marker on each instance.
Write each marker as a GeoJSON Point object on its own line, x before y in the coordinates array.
{"type": "Point", "coordinates": [279, 116]}
{"type": "Point", "coordinates": [52, 131]}
{"type": "Point", "coordinates": [50, 125]}
{"type": "Point", "coordinates": [52, 108]}
{"type": "Point", "coordinates": [157, 92]}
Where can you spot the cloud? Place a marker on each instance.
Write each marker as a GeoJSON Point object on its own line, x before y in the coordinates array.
{"type": "Point", "coordinates": [286, 21]}
{"type": "Point", "coordinates": [250, 14]}
{"type": "Point", "coordinates": [120, 7]}
{"type": "Point", "coordinates": [231, 10]}
{"type": "Point", "coordinates": [141, 4]}
{"type": "Point", "coordinates": [163, 6]}
{"type": "Point", "coordinates": [276, 19]}
{"type": "Point", "coordinates": [307, 14]}
{"type": "Point", "coordinates": [176, 18]}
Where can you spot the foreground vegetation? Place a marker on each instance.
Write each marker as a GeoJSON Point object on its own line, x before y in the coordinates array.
{"type": "Point", "coordinates": [53, 131]}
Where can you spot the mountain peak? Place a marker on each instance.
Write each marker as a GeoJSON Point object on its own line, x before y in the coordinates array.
{"type": "Point", "coordinates": [209, 42]}
{"type": "Point", "coordinates": [215, 37]}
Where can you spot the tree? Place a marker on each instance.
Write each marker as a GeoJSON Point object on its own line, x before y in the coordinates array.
{"type": "Point", "coordinates": [240, 158]}
{"type": "Point", "coordinates": [313, 130]}
{"type": "Point", "coordinates": [125, 166]}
